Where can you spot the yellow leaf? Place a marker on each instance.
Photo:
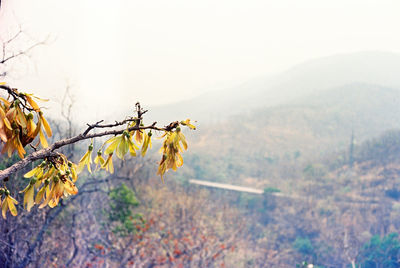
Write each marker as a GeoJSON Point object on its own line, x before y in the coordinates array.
{"type": "Point", "coordinates": [26, 189]}
{"type": "Point", "coordinates": [4, 119]}
{"type": "Point", "coordinates": [31, 126]}
{"type": "Point", "coordinates": [46, 125]}
{"type": "Point", "coordinates": [99, 160]}
{"type": "Point", "coordinates": [4, 208]}
{"type": "Point", "coordinates": [88, 166]}
{"type": "Point", "coordinates": [183, 140]}
{"type": "Point", "coordinates": [47, 199]}
{"type": "Point", "coordinates": [12, 198]}
{"type": "Point", "coordinates": [108, 165]}
{"type": "Point", "coordinates": [179, 161]}
{"type": "Point", "coordinates": [7, 148]}
{"type": "Point", "coordinates": [32, 102]}
{"type": "Point", "coordinates": [85, 160]}
{"type": "Point", "coordinates": [59, 189]}
{"type": "Point", "coordinates": [112, 139]}
{"type": "Point", "coordinates": [114, 143]}
{"type": "Point", "coordinates": [70, 187]}
{"type": "Point", "coordinates": [28, 198]}
{"type": "Point", "coordinates": [54, 196]}
{"type": "Point", "coordinates": [122, 148]}
{"type": "Point", "coordinates": [11, 114]}
{"type": "Point", "coordinates": [32, 173]}
{"type": "Point", "coordinates": [40, 194]}
{"type": "Point", "coordinates": [132, 148]}
{"type": "Point", "coordinates": [111, 167]}
{"type": "Point", "coordinates": [38, 128]}
{"type": "Point", "coordinates": [188, 124]}
{"type": "Point", "coordinates": [74, 176]}
{"type": "Point", "coordinates": [3, 134]}
{"type": "Point", "coordinates": [37, 97]}
{"type": "Point", "coordinates": [20, 148]}
{"type": "Point", "coordinates": [49, 173]}
{"type": "Point", "coordinates": [7, 123]}
{"type": "Point", "coordinates": [11, 206]}
{"type": "Point", "coordinates": [54, 202]}
{"type": "Point", "coordinates": [139, 137]}
{"type": "Point", "coordinates": [43, 140]}
{"type": "Point", "coordinates": [21, 120]}
{"type": "Point", "coordinates": [172, 164]}
{"type": "Point", "coordinates": [38, 183]}
{"type": "Point", "coordinates": [6, 102]}
{"type": "Point", "coordinates": [146, 143]}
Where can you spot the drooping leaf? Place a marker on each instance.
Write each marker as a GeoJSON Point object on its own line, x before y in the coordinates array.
{"type": "Point", "coordinates": [3, 134]}
{"type": "Point", "coordinates": [20, 148]}
{"type": "Point", "coordinates": [146, 144]}
{"type": "Point", "coordinates": [28, 197]}
{"type": "Point", "coordinates": [114, 143]}
{"type": "Point", "coordinates": [11, 201]}
{"type": "Point", "coordinates": [6, 102]}
{"type": "Point", "coordinates": [139, 137]}
{"type": "Point", "coordinates": [40, 195]}
{"type": "Point", "coordinates": [20, 118]}
{"type": "Point", "coordinates": [122, 148]}
{"type": "Point", "coordinates": [31, 126]}
{"type": "Point", "coordinates": [43, 140]}
{"type": "Point", "coordinates": [74, 174]}
{"type": "Point", "coordinates": [32, 173]}
{"type": "Point", "coordinates": [32, 102]}
{"type": "Point", "coordinates": [46, 125]}
{"type": "Point", "coordinates": [108, 165]}
{"type": "Point", "coordinates": [4, 207]}
{"type": "Point", "coordinates": [70, 187]}
{"type": "Point", "coordinates": [182, 140]}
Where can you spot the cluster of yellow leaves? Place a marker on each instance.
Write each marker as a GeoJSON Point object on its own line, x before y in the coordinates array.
{"type": "Point", "coordinates": [51, 180]}
{"type": "Point", "coordinates": [174, 144]}
{"type": "Point", "coordinates": [188, 124]}
{"type": "Point", "coordinates": [17, 123]}
{"type": "Point", "coordinates": [171, 151]}
{"type": "Point", "coordinates": [119, 145]}
{"type": "Point", "coordinates": [8, 203]}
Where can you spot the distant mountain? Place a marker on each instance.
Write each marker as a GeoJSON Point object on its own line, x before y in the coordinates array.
{"type": "Point", "coordinates": [309, 127]}
{"type": "Point", "coordinates": [367, 110]}
{"type": "Point", "coordinates": [378, 68]}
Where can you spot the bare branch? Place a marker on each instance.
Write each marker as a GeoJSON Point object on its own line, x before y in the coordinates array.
{"type": "Point", "coordinates": [90, 127]}
{"type": "Point", "coordinates": [68, 107]}
{"type": "Point", "coordinates": [6, 58]}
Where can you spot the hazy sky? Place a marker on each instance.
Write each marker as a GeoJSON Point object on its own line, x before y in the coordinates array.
{"type": "Point", "coordinates": [156, 51]}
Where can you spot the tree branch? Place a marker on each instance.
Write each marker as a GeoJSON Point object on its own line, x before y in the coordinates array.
{"type": "Point", "coordinates": [49, 151]}
{"type": "Point", "coordinates": [24, 52]}
{"type": "Point", "coordinates": [12, 92]}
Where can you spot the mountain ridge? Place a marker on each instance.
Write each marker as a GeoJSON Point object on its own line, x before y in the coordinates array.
{"type": "Point", "coordinates": [316, 75]}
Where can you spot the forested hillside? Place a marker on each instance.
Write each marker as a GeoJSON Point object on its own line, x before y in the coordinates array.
{"type": "Point", "coordinates": [334, 212]}
{"type": "Point", "coordinates": [332, 153]}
